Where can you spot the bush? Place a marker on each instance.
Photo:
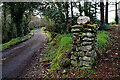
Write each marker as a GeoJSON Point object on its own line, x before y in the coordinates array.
{"type": "Point", "coordinates": [50, 35]}
{"type": "Point", "coordinates": [50, 27]}
{"type": "Point", "coordinates": [101, 26]}
{"type": "Point", "coordinates": [104, 27]}
{"type": "Point", "coordinates": [96, 21]}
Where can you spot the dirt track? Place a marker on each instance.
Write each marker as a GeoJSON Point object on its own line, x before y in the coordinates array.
{"type": "Point", "coordinates": [16, 58]}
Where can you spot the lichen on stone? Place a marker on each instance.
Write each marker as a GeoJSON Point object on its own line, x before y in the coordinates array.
{"type": "Point", "coordinates": [85, 44]}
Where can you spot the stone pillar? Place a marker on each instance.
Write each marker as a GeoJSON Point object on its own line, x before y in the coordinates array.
{"type": "Point", "coordinates": [84, 48]}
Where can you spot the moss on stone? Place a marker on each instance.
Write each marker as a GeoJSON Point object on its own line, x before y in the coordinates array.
{"type": "Point", "coordinates": [77, 26]}
{"type": "Point", "coordinates": [89, 25]}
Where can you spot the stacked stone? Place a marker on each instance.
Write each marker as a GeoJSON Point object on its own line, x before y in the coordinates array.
{"type": "Point", "coordinates": [84, 49]}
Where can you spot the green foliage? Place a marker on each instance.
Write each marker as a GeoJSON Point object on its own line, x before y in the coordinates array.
{"type": "Point", "coordinates": [15, 19]}
{"type": "Point", "coordinates": [50, 27]}
{"type": "Point", "coordinates": [50, 35]}
{"type": "Point", "coordinates": [103, 40]}
{"type": "Point", "coordinates": [57, 12]}
{"type": "Point", "coordinates": [105, 27]}
{"type": "Point", "coordinates": [60, 42]}
{"type": "Point", "coordinates": [43, 30]}
{"type": "Point", "coordinates": [101, 26]}
{"type": "Point", "coordinates": [19, 17]}
{"type": "Point", "coordinates": [96, 21]}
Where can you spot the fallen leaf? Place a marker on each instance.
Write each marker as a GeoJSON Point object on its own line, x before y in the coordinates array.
{"type": "Point", "coordinates": [116, 53]}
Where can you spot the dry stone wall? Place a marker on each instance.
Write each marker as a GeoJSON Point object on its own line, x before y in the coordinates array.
{"type": "Point", "coordinates": [84, 48]}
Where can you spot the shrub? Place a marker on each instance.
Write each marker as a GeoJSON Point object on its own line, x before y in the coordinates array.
{"type": "Point", "coordinates": [96, 21]}
{"type": "Point", "coordinates": [50, 26]}
{"type": "Point", "coordinates": [104, 27]}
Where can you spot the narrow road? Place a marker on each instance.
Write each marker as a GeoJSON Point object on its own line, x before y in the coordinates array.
{"type": "Point", "coordinates": [16, 58]}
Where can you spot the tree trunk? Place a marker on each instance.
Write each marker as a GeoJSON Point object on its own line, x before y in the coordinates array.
{"type": "Point", "coordinates": [80, 9]}
{"type": "Point", "coordinates": [19, 25]}
{"type": "Point", "coordinates": [102, 11]}
{"type": "Point", "coordinates": [4, 32]}
{"type": "Point", "coordinates": [17, 20]}
{"type": "Point", "coordinates": [67, 15]}
{"type": "Point", "coordinates": [16, 16]}
{"type": "Point", "coordinates": [106, 15]}
{"type": "Point", "coordinates": [72, 11]}
{"type": "Point", "coordinates": [116, 15]}
{"type": "Point", "coordinates": [86, 8]}
{"type": "Point", "coordinates": [26, 22]}
{"type": "Point", "coordinates": [95, 9]}
{"type": "Point", "coordinates": [90, 15]}
{"type": "Point", "coordinates": [4, 15]}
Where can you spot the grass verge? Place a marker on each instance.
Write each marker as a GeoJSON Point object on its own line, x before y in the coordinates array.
{"type": "Point", "coordinates": [16, 41]}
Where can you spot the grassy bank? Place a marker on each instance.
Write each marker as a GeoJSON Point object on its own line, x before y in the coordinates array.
{"type": "Point", "coordinates": [15, 41]}
{"type": "Point", "coordinates": [57, 50]}
{"type": "Point", "coordinates": [103, 41]}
